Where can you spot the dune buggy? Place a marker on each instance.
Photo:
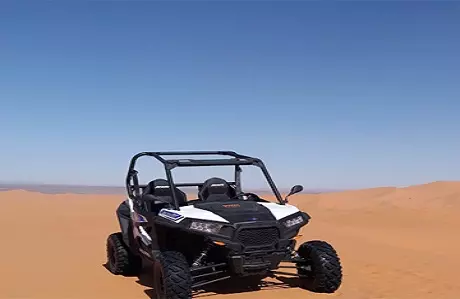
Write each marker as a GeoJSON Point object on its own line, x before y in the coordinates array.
{"type": "Point", "coordinates": [222, 233]}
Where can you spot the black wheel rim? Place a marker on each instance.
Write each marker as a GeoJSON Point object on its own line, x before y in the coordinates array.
{"type": "Point", "coordinates": [309, 274]}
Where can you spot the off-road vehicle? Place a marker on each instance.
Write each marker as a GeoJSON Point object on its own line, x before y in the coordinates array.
{"type": "Point", "coordinates": [223, 233]}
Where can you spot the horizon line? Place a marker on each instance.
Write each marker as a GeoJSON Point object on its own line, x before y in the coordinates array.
{"type": "Point", "coordinates": [55, 188]}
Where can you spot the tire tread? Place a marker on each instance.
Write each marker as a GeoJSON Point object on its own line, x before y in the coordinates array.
{"type": "Point", "coordinates": [177, 276]}
{"type": "Point", "coordinates": [125, 262]}
{"type": "Point", "coordinates": [327, 265]}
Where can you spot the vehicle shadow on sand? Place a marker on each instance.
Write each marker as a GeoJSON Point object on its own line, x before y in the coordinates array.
{"type": "Point", "coordinates": [235, 286]}
{"type": "Point", "coordinates": [230, 286]}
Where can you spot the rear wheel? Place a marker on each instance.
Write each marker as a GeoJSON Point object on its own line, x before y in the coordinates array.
{"type": "Point", "coordinates": [322, 271]}
{"type": "Point", "coordinates": [120, 261]}
{"type": "Point", "coordinates": [172, 277]}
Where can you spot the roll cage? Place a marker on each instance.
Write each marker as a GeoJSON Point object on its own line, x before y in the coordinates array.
{"type": "Point", "coordinates": [133, 187]}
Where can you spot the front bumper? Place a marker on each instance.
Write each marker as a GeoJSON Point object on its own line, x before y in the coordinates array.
{"type": "Point", "coordinates": [258, 251]}
{"type": "Point", "coordinates": [245, 265]}
{"type": "Point", "coordinates": [261, 236]}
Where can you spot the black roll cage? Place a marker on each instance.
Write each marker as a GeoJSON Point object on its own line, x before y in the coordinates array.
{"type": "Point", "coordinates": [134, 189]}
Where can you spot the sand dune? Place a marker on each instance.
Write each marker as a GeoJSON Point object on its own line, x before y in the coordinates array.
{"type": "Point", "coordinates": [394, 243]}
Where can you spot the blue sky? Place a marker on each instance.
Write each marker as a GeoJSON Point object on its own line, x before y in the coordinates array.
{"type": "Point", "coordinates": [328, 94]}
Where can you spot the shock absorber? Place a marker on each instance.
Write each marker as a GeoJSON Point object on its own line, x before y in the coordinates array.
{"type": "Point", "coordinates": [202, 256]}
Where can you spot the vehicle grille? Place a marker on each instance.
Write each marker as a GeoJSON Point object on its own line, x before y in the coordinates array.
{"type": "Point", "coordinates": [258, 237]}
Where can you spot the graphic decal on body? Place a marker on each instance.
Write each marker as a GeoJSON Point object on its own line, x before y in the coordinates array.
{"type": "Point", "coordinates": [168, 214]}
{"type": "Point", "coordinates": [139, 218]}
{"type": "Point", "coordinates": [189, 212]}
{"type": "Point", "coordinates": [144, 236]}
{"type": "Point", "coordinates": [138, 230]}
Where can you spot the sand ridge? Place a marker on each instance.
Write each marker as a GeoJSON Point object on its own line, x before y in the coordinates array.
{"type": "Point", "coordinates": [394, 243]}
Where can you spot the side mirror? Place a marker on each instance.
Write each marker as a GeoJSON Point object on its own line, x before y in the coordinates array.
{"type": "Point", "coordinates": [295, 189]}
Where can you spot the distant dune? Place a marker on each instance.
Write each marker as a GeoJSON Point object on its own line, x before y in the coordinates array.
{"type": "Point", "coordinates": [82, 189]}
{"type": "Point", "coordinates": [61, 189]}
{"type": "Point", "coordinates": [395, 243]}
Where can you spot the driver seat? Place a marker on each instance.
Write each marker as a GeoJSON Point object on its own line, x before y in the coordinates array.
{"type": "Point", "coordinates": [216, 189]}
{"type": "Point", "coordinates": [157, 195]}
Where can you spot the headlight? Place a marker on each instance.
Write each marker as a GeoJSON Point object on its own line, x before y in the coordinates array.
{"type": "Point", "coordinates": [212, 228]}
{"type": "Point", "coordinates": [294, 221]}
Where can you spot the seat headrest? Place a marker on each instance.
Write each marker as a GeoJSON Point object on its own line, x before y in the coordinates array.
{"type": "Point", "coordinates": [160, 187]}
{"type": "Point", "coordinates": [216, 186]}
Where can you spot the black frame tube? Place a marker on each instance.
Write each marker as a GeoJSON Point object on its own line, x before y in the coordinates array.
{"type": "Point", "coordinates": [207, 267]}
{"type": "Point", "coordinates": [237, 160]}
{"type": "Point", "coordinates": [203, 283]}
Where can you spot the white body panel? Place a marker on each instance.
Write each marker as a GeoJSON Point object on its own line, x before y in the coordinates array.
{"type": "Point", "coordinates": [191, 212]}
{"type": "Point", "coordinates": [279, 211]}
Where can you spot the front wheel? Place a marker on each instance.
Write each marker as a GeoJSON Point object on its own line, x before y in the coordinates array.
{"type": "Point", "coordinates": [120, 261]}
{"type": "Point", "coordinates": [172, 277]}
{"type": "Point", "coordinates": [321, 270]}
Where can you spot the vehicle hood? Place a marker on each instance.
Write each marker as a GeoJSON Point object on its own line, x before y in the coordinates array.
{"type": "Point", "coordinates": [241, 211]}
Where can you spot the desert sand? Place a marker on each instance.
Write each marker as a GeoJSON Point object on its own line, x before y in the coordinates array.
{"type": "Point", "coordinates": [394, 243]}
